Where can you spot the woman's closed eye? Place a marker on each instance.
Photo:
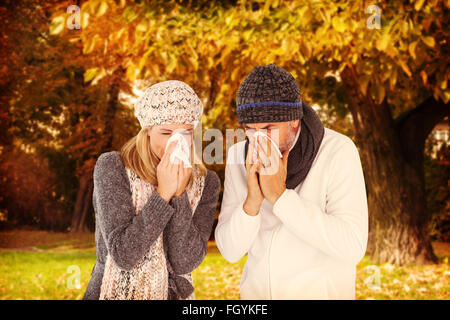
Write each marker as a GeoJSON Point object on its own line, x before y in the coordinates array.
{"type": "Point", "coordinates": [185, 133]}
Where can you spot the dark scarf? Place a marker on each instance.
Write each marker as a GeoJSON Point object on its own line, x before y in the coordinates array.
{"type": "Point", "coordinates": [305, 150]}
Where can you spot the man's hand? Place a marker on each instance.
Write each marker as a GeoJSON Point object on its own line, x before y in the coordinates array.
{"type": "Point", "coordinates": [254, 195]}
{"type": "Point", "coordinates": [272, 177]}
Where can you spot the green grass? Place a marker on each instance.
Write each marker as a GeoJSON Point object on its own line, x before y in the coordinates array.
{"type": "Point", "coordinates": [42, 275]}
{"type": "Point", "coordinates": [38, 269]}
{"type": "Point", "coordinates": [216, 278]}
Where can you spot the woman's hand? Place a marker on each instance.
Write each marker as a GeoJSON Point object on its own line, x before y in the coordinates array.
{"type": "Point", "coordinates": [167, 175]}
{"type": "Point", "coordinates": [184, 175]}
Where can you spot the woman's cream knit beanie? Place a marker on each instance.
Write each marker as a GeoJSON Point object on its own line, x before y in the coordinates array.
{"type": "Point", "coordinates": [170, 101]}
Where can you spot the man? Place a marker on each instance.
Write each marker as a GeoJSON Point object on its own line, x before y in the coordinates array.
{"type": "Point", "coordinates": [302, 218]}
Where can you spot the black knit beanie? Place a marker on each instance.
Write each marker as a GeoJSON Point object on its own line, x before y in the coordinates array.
{"type": "Point", "coordinates": [268, 94]}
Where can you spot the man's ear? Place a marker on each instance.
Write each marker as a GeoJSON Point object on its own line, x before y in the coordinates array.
{"type": "Point", "coordinates": [295, 123]}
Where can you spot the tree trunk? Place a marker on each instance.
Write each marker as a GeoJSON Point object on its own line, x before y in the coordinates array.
{"type": "Point", "coordinates": [84, 196]}
{"type": "Point", "coordinates": [111, 110]}
{"type": "Point", "coordinates": [82, 204]}
{"type": "Point", "coordinates": [398, 217]}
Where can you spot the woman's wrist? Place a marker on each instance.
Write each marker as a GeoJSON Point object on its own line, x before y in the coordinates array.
{"type": "Point", "coordinates": [177, 195]}
{"type": "Point", "coordinates": [164, 195]}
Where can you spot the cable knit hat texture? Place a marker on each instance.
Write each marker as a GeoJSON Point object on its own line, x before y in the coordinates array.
{"type": "Point", "coordinates": [268, 94]}
{"type": "Point", "coordinates": [170, 101]}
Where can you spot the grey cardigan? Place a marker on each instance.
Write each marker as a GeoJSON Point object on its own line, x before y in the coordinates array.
{"type": "Point", "coordinates": [127, 236]}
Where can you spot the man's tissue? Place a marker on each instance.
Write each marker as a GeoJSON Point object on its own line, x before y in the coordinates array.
{"type": "Point", "coordinates": [262, 136]}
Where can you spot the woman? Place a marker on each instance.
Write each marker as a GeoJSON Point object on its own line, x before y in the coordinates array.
{"type": "Point", "coordinates": [154, 215]}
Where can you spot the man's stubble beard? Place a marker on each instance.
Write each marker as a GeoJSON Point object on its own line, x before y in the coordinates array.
{"type": "Point", "coordinates": [290, 139]}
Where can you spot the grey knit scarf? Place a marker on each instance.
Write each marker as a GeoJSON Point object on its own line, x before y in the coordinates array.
{"type": "Point", "coordinates": [305, 150]}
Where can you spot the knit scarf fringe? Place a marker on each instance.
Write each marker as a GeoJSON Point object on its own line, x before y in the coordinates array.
{"type": "Point", "coordinates": [152, 278]}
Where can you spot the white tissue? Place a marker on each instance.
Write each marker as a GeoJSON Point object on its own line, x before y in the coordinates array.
{"type": "Point", "coordinates": [262, 135]}
{"type": "Point", "coordinates": [181, 152]}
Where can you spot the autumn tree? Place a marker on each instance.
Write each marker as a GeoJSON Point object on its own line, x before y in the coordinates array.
{"type": "Point", "coordinates": [391, 79]}
{"type": "Point", "coordinates": [395, 84]}
{"type": "Point", "coordinates": [51, 111]}
{"type": "Point", "coordinates": [32, 87]}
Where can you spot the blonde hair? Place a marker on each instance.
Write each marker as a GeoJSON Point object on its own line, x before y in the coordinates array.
{"type": "Point", "coordinates": [138, 155]}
